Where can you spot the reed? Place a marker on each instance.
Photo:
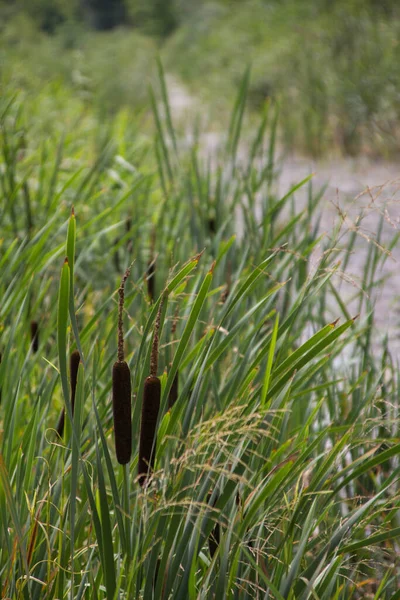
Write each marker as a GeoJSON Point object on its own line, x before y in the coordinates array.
{"type": "Point", "coordinates": [121, 390]}
{"type": "Point", "coordinates": [150, 410]}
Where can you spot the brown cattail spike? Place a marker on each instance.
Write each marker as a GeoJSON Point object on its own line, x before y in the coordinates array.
{"type": "Point", "coordinates": [35, 336]}
{"type": "Point", "coordinates": [147, 445]}
{"type": "Point", "coordinates": [121, 389]}
{"type": "Point", "coordinates": [74, 361]}
{"type": "Point", "coordinates": [121, 396]}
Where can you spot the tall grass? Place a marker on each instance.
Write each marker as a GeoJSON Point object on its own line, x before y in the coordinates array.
{"type": "Point", "coordinates": [283, 435]}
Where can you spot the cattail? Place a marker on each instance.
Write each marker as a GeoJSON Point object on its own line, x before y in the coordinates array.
{"type": "Point", "coordinates": [150, 409]}
{"type": "Point", "coordinates": [74, 361]}
{"type": "Point", "coordinates": [173, 393]}
{"type": "Point", "coordinates": [35, 336]}
{"type": "Point", "coordinates": [1, 357]}
{"type": "Point", "coordinates": [121, 390]}
{"type": "Point", "coordinates": [121, 394]}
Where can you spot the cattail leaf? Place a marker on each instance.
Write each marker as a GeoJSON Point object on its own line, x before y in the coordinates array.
{"type": "Point", "coordinates": [184, 272]}
{"type": "Point", "coordinates": [300, 363]}
{"type": "Point", "coordinates": [106, 531]}
{"type": "Point", "coordinates": [371, 540]}
{"type": "Point", "coordinates": [148, 427]}
{"type": "Point", "coordinates": [161, 434]}
{"type": "Point", "coordinates": [224, 247]}
{"type": "Point", "coordinates": [366, 466]}
{"type": "Point", "coordinates": [286, 584]}
{"type": "Point", "coordinates": [296, 354]}
{"type": "Point", "coordinates": [111, 474]}
{"type": "Point", "coordinates": [62, 322]}
{"type": "Point", "coordinates": [196, 308]}
{"type": "Point", "coordinates": [336, 539]}
{"type": "Point", "coordinates": [71, 240]}
{"type": "Point", "coordinates": [76, 427]}
{"type": "Point", "coordinates": [247, 286]}
{"type": "Point", "coordinates": [227, 341]}
{"type": "Point", "coordinates": [5, 484]}
{"type": "Point", "coordinates": [197, 349]}
{"type": "Point", "coordinates": [164, 95]}
{"type": "Point", "coordinates": [268, 369]}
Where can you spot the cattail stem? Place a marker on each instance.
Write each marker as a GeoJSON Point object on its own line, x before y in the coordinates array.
{"type": "Point", "coordinates": [121, 293]}
{"type": "Point", "coordinates": [126, 508]}
{"type": "Point", "coordinates": [154, 349]}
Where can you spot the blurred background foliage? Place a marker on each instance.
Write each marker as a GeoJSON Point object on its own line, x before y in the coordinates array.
{"type": "Point", "coordinates": [334, 66]}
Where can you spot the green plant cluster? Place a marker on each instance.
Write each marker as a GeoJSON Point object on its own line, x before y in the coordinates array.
{"type": "Point", "coordinates": [333, 65]}
{"type": "Point", "coordinates": [276, 468]}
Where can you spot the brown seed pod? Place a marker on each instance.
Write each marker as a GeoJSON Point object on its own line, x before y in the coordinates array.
{"type": "Point", "coordinates": [74, 361]}
{"type": "Point", "coordinates": [147, 445]}
{"type": "Point", "coordinates": [121, 400]}
{"type": "Point", "coordinates": [173, 393]}
{"type": "Point", "coordinates": [35, 336]}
